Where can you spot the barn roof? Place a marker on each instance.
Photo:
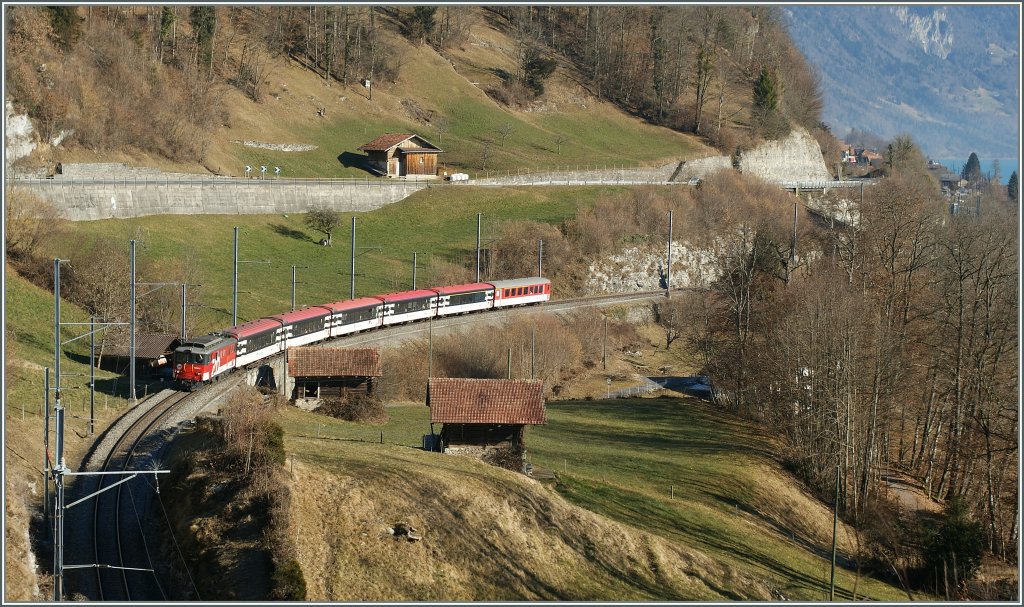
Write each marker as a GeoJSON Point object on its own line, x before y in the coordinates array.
{"type": "Point", "coordinates": [389, 140]}
{"type": "Point", "coordinates": [147, 345]}
{"type": "Point", "coordinates": [333, 362]}
{"type": "Point", "coordinates": [486, 401]}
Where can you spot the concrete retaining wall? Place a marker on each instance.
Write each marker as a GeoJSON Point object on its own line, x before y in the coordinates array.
{"type": "Point", "coordinates": [110, 199]}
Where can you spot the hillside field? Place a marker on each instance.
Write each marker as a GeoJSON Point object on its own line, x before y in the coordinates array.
{"type": "Point", "coordinates": [737, 526]}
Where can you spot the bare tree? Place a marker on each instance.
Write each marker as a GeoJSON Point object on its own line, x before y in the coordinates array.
{"type": "Point", "coordinates": [504, 131]}
{"type": "Point", "coordinates": [322, 219]}
{"type": "Point", "coordinates": [559, 140]}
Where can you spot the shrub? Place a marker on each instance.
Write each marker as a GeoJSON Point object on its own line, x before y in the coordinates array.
{"type": "Point", "coordinates": [355, 408]}
{"type": "Point", "coordinates": [288, 582]}
{"type": "Point", "coordinates": [953, 549]}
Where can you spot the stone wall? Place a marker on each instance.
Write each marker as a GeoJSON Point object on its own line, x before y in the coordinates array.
{"type": "Point", "coordinates": [138, 198]}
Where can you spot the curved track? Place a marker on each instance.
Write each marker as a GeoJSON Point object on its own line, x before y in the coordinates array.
{"type": "Point", "coordinates": [124, 545]}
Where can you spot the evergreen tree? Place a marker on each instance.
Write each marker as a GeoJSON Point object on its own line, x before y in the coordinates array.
{"type": "Point", "coordinates": [166, 25]}
{"type": "Point", "coordinates": [955, 548]}
{"type": "Point", "coordinates": [972, 170]}
{"type": "Point", "coordinates": [65, 23]}
{"type": "Point", "coordinates": [536, 69]}
{"type": "Point", "coordinates": [766, 90]}
{"type": "Point", "coordinates": [1011, 187]}
{"type": "Point", "coordinates": [204, 24]}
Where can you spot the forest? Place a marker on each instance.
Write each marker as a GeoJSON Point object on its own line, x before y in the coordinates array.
{"type": "Point", "coordinates": [113, 76]}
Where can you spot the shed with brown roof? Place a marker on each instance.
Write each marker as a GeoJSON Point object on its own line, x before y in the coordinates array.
{"type": "Point", "coordinates": [151, 351]}
{"type": "Point", "coordinates": [316, 373]}
{"type": "Point", "coordinates": [481, 415]}
{"type": "Point", "coordinates": [402, 154]}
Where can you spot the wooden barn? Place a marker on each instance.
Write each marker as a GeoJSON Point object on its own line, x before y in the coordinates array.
{"type": "Point", "coordinates": [479, 415]}
{"type": "Point", "coordinates": [402, 155]}
{"type": "Point", "coordinates": [316, 373]}
{"type": "Point", "coordinates": [152, 353]}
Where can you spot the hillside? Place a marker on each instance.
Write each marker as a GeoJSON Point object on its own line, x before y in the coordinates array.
{"type": "Point", "coordinates": [736, 527]}
{"type": "Point", "coordinates": [438, 94]}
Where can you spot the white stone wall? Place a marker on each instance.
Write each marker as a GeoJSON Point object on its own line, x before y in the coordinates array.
{"type": "Point", "coordinates": [795, 158]}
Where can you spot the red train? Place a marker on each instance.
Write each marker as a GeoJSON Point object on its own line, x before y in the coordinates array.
{"type": "Point", "coordinates": [201, 359]}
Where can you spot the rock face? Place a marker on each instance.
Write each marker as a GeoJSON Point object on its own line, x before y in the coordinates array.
{"type": "Point", "coordinates": [18, 132]}
{"type": "Point", "coordinates": [795, 158]}
{"type": "Point", "coordinates": [643, 269]}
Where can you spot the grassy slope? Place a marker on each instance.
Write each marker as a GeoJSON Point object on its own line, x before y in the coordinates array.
{"type": "Point", "coordinates": [438, 222]}
{"type": "Point", "coordinates": [732, 504]}
{"type": "Point", "coordinates": [596, 132]}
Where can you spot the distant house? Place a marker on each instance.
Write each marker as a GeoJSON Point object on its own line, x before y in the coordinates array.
{"type": "Point", "coordinates": [478, 416]}
{"type": "Point", "coordinates": [401, 155]}
{"type": "Point", "coordinates": [316, 373]}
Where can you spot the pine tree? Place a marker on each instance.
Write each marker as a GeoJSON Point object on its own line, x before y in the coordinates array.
{"type": "Point", "coordinates": [766, 90]}
{"type": "Point", "coordinates": [972, 170]}
{"type": "Point", "coordinates": [65, 23]}
{"type": "Point", "coordinates": [1011, 187]}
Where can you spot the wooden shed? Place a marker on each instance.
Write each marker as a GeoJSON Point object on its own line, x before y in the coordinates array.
{"type": "Point", "coordinates": [478, 415]}
{"type": "Point", "coordinates": [401, 155]}
{"type": "Point", "coordinates": [316, 373]}
{"type": "Point", "coordinates": [152, 352]}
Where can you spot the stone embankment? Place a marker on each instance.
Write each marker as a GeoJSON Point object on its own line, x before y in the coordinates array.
{"type": "Point", "coordinates": [112, 190]}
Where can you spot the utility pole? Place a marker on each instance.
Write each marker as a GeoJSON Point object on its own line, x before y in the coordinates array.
{"type": "Point", "coordinates": [510, 363]}
{"type": "Point", "coordinates": [478, 247]}
{"type": "Point", "coordinates": [92, 373]}
{"type": "Point", "coordinates": [293, 285]}
{"type": "Point", "coordinates": [46, 444]}
{"type": "Point", "coordinates": [414, 271]}
{"type": "Point", "coordinates": [430, 348]}
{"type": "Point", "coordinates": [131, 355]}
{"type": "Point", "coordinates": [234, 284]}
{"type": "Point", "coordinates": [835, 526]}
{"type": "Point", "coordinates": [668, 268]}
{"type": "Point", "coordinates": [792, 245]}
{"type": "Point", "coordinates": [604, 346]}
{"type": "Point", "coordinates": [540, 258]}
{"type": "Point", "coordinates": [183, 309]}
{"type": "Point", "coordinates": [533, 351]}
{"type": "Point", "coordinates": [58, 463]}
{"type": "Point", "coordinates": [352, 271]}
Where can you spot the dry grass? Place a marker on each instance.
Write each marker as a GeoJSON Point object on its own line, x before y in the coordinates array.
{"type": "Point", "coordinates": [487, 535]}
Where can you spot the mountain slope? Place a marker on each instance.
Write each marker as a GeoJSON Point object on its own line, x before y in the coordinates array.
{"type": "Point", "coordinates": [950, 76]}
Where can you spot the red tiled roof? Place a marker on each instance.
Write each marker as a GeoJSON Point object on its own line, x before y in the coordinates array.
{"type": "Point", "coordinates": [385, 142]}
{"type": "Point", "coordinates": [333, 362]}
{"type": "Point", "coordinates": [486, 401]}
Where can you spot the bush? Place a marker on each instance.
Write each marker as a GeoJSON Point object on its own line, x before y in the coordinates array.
{"type": "Point", "coordinates": [288, 582]}
{"type": "Point", "coordinates": [355, 408]}
{"type": "Point", "coordinates": [953, 550]}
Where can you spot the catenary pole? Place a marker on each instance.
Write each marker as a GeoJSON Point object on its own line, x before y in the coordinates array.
{"type": "Point", "coordinates": [668, 268]}
{"type": "Point", "coordinates": [835, 526]}
{"type": "Point", "coordinates": [183, 309]}
{"type": "Point", "coordinates": [352, 270]}
{"type": "Point", "coordinates": [234, 284]}
{"type": "Point", "coordinates": [293, 288]}
{"type": "Point", "coordinates": [540, 258]}
{"type": "Point", "coordinates": [478, 215]}
{"type": "Point", "coordinates": [414, 271]}
{"type": "Point", "coordinates": [92, 373]}
{"type": "Point", "coordinates": [131, 348]}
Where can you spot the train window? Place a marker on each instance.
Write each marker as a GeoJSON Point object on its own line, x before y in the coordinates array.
{"type": "Point", "coordinates": [467, 298]}
{"type": "Point", "coordinates": [415, 305]}
{"type": "Point", "coordinates": [305, 327]}
{"type": "Point", "coordinates": [179, 357]}
{"type": "Point", "coordinates": [260, 341]}
{"type": "Point", "coordinates": [349, 317]}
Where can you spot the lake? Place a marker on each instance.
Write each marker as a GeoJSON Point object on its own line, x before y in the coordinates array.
{"type": "Point", "coordinates": [1006, 166]}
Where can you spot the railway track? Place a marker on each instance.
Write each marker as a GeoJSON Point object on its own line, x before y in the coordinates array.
{"type": "Point", "coordinates": [124, 570]}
